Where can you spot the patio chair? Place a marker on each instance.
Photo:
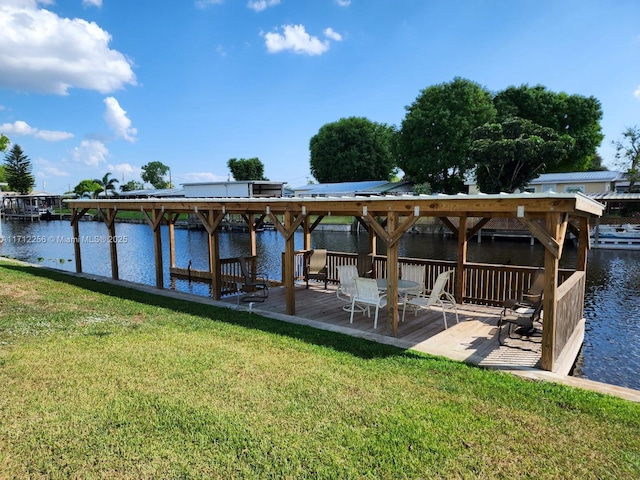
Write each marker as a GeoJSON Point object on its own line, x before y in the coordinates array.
{"type": "Point", "coordinates": [413, 273]}
{"type": "Point", "coordinates": [367, 296]}
{"type": "Point", "coordinates": [520, 319]}
{"type": "Point", "coordinates": [256, 288]}
{"type": "Point", "coordinates": [316, 266]}
{"type": "Point", "coordinates": [438, 297]}
{"type": "Point", "coordinates": [347, 286]}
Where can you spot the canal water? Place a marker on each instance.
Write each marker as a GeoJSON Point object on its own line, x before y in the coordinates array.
{"type": "Point", "coordinates": [611, 350]}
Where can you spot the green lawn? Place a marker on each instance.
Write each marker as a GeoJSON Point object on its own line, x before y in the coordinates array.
{"type": "Point", "coordinates": [99, 381]}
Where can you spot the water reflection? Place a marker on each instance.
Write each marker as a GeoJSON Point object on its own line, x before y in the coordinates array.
{"type": "Point", "coordinates": [611, 350]}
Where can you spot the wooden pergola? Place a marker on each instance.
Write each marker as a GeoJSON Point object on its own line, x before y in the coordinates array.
{"type": "Point", "coordinates": [549, 216]}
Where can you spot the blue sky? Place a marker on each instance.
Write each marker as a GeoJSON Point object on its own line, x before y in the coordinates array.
{"type": "Point", "coordinates": [95, 86]}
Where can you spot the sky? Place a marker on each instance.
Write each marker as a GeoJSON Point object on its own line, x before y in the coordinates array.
{"type": "Point", "coordinates": [89, 87]}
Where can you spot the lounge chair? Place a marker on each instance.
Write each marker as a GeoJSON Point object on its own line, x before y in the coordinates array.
{"type": "Point", "coordinates": [367, 296]}
{"type": "Point", "coordinates": [316, 266]}
{"type": "Point", "coordinates": [438, 297]}
{"type": "Point", "coordinates": [257, 289]}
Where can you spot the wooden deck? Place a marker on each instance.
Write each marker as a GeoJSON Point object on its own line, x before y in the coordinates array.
{"type": "Point", "coordinates": [473, 340]}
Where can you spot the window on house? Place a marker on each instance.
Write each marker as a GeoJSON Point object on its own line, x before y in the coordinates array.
{"type": "Point", "coordinates": [574, 188]}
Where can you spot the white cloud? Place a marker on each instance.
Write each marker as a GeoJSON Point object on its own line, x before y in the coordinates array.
{"type": "Point", "coordinates": [45, 53]}
{"type": "Point", "coordinates": [90, 152]}
{"type": "Point", "coordinates": [92, 3]}
{"type": "Point", "coordinates": [332, 34]}
{"type": "Point", "coordinates": [49, 169]}
{"type": "Point", "coordinates": [23, 128]}
{"type": "Point", "coordinates": [118, 121]}
{"type": "Point", "coordinates": [125, 169]}
{"type": "Point", "coordinates": [260, 5]}
{"type": "Point", "coordinates": [637, 93]}
{"type": "Point", "coordinates": [297, 39]}
{"type": "Point", "coordinates": [206, 3]}
{"type": "Point", "coordinates": [343, 3]}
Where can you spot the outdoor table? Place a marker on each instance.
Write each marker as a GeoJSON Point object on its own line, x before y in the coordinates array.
{"type": "Point", "coordinates": [403, 285]}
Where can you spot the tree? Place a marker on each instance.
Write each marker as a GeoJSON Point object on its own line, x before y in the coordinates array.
{"type": "Point", "coordinates": [435, 136]}
{"type": "Point", "coordinates": [89, 188]}
{"type": "Point", "coordinates": [628, 151]}
{"type": "Point", "coordinates": [246, 169]}
{"type": "Point", "coordinates": [18, 171]}
{"type": "Point", "coordinates": [153, 173]}
{"type": "Point", "coordinates": [596, 164]}
{"type": "Point", "coordinates": [573, 115]}
{"type": "Point", "coordinates": [4, 142]}
{"type": "Point", "coordinates": [510, 154]}
{"type": "Point", "coordinates": [131, 185]}
{"type": "Point", "coordinates": [352, 149]}
{"type": "Point", "coordinates": [107, 184]}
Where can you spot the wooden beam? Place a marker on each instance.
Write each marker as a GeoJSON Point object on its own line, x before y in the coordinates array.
{"type": "Point", "coordinates": [450, 225]}
{"type": "Point", "coordinates": [476, 228]}
{"type": "Point", "coordinates": [544, 237]}
{"type": "Point", "coordinates": [377, 228]}
{"type": "Point", "coordinates": [285, 231]}
{"type": "Point", "coordinates": [400, 230]}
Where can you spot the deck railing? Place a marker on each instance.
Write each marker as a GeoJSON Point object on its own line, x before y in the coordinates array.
{"type": "Point", "coordinates": [570, 310]}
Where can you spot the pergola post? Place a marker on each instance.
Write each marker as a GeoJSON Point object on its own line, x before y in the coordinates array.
{"type": "Point", "coordinates": [583, 244]}
{"type": "Point", "coordinates": [549, 306]}
{"type": "Point", "coordinates": [289, 254]}
{"type": "Point", "coordinates": [75, 218]}
{"type": "Point", "coordinates": [213, 243]}
{"type": "Point", "coordinates": [392, 273]}
{"type": "Point", "coordinates": [109, 217]}
{"type": "Point", "coordinates": [460, 285]}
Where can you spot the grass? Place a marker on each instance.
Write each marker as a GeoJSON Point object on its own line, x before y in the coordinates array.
{"type": "Point", "coordinates": [100, 381]}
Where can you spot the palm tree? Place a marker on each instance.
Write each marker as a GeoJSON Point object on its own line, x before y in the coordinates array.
{"type": "Point", "coordinates": [107, 185]}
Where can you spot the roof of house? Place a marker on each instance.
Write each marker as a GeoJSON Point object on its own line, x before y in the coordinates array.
{"type": "Point", "coordinates": [339, 189]}
{"type": "Point", "coordinates": [571, 177]}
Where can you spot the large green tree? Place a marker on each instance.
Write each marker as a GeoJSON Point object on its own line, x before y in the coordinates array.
{"type": "Point", "coordinates": [573, 115]}
{"type": "Point", "coordinates": [154, 173]}
{"type": "Point", "coordinates": [87, 188]}
{"type": "Point", "coordinates": [628, 152]}
{"type": "Point", "coordinates": [18, 171]}
{"type": "Point", "coordinates": [107, 185]}
{"type": "Point", "coordinates": [352, 149]}
{"type": "Point", "coordinates": [435, 136]}
{"type": "Point", "coordinates": [510, 154]}
{"type": "Point", "coordinates": [246, 169]}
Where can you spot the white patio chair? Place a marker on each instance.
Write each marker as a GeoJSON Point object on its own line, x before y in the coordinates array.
{"type": "Point", "coordinates": [367, 296]}
{"type": "Point", "coordinates": [347, 287]}
{"type": "Point", "coordinates": [413, 273]}
{"type": "Point", "coordinates": [438, 297]}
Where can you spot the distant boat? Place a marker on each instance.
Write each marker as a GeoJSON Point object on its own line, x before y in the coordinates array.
{"type": "Point", "coordinates": [625, 236]}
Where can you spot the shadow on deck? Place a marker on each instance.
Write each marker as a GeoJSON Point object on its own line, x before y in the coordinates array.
{"type": "Point", "coordinates": [474, 340]}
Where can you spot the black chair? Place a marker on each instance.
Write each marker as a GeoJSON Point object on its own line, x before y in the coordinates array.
{"type": "Point", "coordinates": [257, 289]}
{"type": "Point", "coordinates": [521, 320]}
